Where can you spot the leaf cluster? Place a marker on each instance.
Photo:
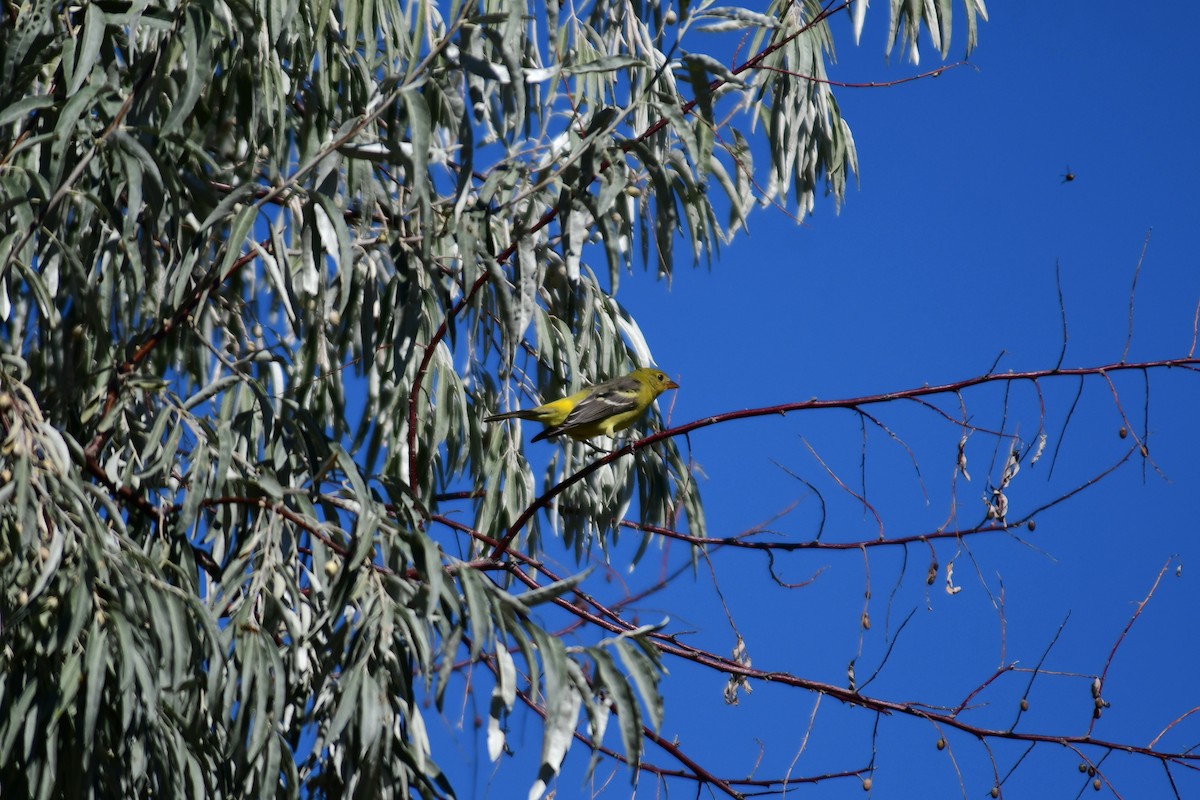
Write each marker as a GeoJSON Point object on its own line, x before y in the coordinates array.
{"type": "Point", "coordinates": [264, 265]}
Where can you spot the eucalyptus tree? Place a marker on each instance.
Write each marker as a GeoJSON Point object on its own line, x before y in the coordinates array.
{"type": "Point", "coordinates": [264, 267]}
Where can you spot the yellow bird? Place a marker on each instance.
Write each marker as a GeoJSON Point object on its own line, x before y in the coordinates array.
{"type": "Point", "coordinates": [597, 410]}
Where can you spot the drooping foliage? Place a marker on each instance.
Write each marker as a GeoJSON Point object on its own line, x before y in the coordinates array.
{"type": "Point", "coordinates": [264, 265]}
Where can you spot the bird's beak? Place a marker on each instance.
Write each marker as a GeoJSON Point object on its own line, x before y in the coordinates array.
{"type": "Point", "coordinates": [671, 384]}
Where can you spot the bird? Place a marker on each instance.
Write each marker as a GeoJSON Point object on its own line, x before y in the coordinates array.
{"type": "Point", "coordinates": [597, 410]}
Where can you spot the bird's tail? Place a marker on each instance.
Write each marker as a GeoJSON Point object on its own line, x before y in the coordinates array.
{"type": "Point", "coordinates": [520, 414]}
{"type": "Point", "coordinates": [548, 433]}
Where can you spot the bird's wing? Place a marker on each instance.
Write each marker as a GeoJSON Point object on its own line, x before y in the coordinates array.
{"type": "Point", "coordinates": [606, 399]}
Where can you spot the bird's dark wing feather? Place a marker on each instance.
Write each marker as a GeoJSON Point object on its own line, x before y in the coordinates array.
{"type": "Point", "coordinates": [608, 398]}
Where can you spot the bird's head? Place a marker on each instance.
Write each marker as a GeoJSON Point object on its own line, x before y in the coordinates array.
{"type": "Point", "coordinates": [656, 379]}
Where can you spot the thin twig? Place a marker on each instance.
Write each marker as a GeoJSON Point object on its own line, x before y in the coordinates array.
{"type": "Point", "coordinates": [1133, 291]}
{"type": "Point", "coordinates": [1137, 612]}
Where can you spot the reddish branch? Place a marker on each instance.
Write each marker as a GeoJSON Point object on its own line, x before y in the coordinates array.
{"type": "Point", "coordinates": [1191, 364]}
{"type": "Point", "coordinates": [669, 645]}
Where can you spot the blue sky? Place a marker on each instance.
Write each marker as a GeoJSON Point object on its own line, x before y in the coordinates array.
{"type": "Point", "coordinates": [943, 258]}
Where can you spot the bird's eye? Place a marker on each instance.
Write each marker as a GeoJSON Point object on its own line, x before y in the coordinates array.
{"type": "Point", "coordinates": [662, 377]}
